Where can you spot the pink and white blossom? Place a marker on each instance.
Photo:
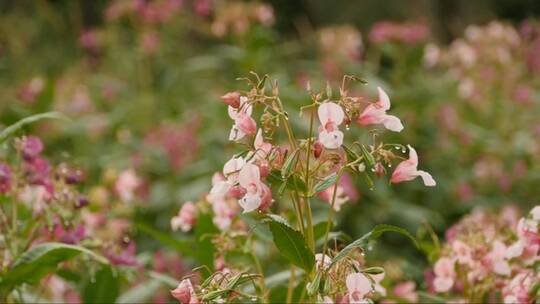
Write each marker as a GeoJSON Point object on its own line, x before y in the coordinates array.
{"type": "Point", "coordinates": [358, 287]}
{"type": "Point", "coordinates": [331, 115]}
{"type": "Point", "coordinates": [407, 170]}
{"type": "Point", "coordinates": [186, 218]}
{"type": "Point", "coordinates": [375, 113]}
{"type": "Point", "coordinates": [444, 275]}
{"type": "Point", "coordinates": [185, 293]}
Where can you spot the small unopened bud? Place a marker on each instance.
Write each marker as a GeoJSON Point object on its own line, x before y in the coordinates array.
{"type": "Point", "coordinates": [232, 99]}
{"type": "Point", "coordinates": [237, 192]}
{"type": "Point", "coordinates": [317, 149]}
{"type": "Point", "coordinates": [264, 169]}
{"type": "Point", "coordinates": [379, 169]}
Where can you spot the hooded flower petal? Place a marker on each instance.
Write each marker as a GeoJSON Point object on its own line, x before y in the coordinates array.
{"type": "Point", "coordinates": [407, 170]}
{"type": "Point", "coordinates": [330, 112]}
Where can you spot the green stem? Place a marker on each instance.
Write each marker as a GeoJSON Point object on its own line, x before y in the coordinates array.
{"type": "Point", "coordinates": [261, 273]}
{"type": "Point", "coordinates": [290, 287]}
{"type": "Point", "coordinates": [330, 214]}
{"type": "Point", "coordinates": [309, 217]}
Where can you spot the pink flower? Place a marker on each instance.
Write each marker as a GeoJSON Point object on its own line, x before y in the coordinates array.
{"type": "Point", "coordinates": [126, 185]}
{"type": "Point", "coordinates": [232, 167]}
{"type": "Point", "coordinates": [186, 218]}
{"type": "Point", "coordinates": [31, 147]}
{"type": "Point", "coordinates": [322, 260]}
{"type": "Point", "coordinates": [232, 99]}
{"type": "Point", "coordinates": [407, 170]}
{"type": "Point", "coordinates": [535, 213]}
{"type": "Point", "coordinates": [262, 149]}
{"type": "Point", "coordinates": [244, 124]}
{"type": "Point", "coordinates": [444, 275]}
{"type": "Point", "coordinates": [375, 113]}
{"type": "Point", "coordinates": [358, 287]}
{"type": "Point", "coordinates": [5, 178]}
{"type": "Point", "coordinates": [406, 291]}
{"type": "Point", "coordinates": [462, 251]}
{"type": "Point", "coordinates": [250, 179]}
{"type": "Point", "coordinates": [328, 194]}
{"type": "Point", "coordinates": [185, 293]}
{"type": "Point", "coordinates": [497, 259]}
{"type": "Point", "coordinates": [331, 116]}
{"type": "Point", "coordinates": [377, 287]}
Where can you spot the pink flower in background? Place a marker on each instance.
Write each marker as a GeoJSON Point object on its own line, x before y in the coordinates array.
{"type": "Point", "coordinates": [375, 113]}
{"type": "Point", "coordinates": [5, 178]}
{"type": "Point", "coordinates": [463, 252]}
{"type": "Point", "coordinates": [126, 185]}
{"type": "Point", "coordinates": [444, 275]}
{"type": "Point", "coordinates": [73, 235]}
{"type": "Point", "coordinates": [125, 255]}
{"type": "Point", "coordinates": [32, 147]}
{"type": "Point", "coordinates": [331, 115]}
{"type": "Point", "coordinates": [407, 170]}
{"type": "Point", "coordinates": [358, 287]}
{"type": "Point", "coordinates": [185, 293]}
{"type": "Point", "coordinates": [406, 291]}
{"type": "Point", "coordinates": [186, 218]}
{"type": "Point", "coordinates": [178, 141]}
{"type": "Point", "coordinates": [328, 194]}
{"type": "Point", "coordinates": [89, 40]}
{"type": "Point", "coordinates": [409, 33]}
{"type": "Point", "coordinates": [498, 260]}
{"type": "Point", "coordinates": [31, 90]}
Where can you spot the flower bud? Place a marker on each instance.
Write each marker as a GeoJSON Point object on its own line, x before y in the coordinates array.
{"type": "Point", "coordinates": [232, 99]}
{"type": "Point", "coordinates": [237, 192]}
{"type": "Point", "coordinates": [317, 149]}
{"type": "Point", "coordinates": [264, 169]}
{"type": "Point", "coordinates": [246, 124]}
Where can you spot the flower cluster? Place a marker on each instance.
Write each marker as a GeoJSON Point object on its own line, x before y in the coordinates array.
{"type": "Point", "coordinates": [406, 33]}
{"type": "Point", "coordinates": [486, 253]}
{"type": "Point", "coordinates": [255, 180]}
{"type": "Point", "coordinates": [237, 17]}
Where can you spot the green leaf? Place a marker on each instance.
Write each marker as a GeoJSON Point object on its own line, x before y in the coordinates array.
{"type": "Point", "coordinates": [289, 164]}
{"type": "Point", "coordinates": [368, 157]}
{"type": "Point", "coordinates": [325, 183]}
{"type": "Point", "coordinates": [372, 235]}
{"type": "Point", "coordinates": [204, 248]}
{"type": "Point", "coordinates": [182, 246]}
{"type": "Point", "coordinates": [319, 230]}
{"type": "Point", "coordinates": [292, 246]}
{"type": "Point", "coordinates": [102, 288]}
{"type": "Point", "coordinates": [292, 183]}
{"type": "Point", "coordinates": [42, 259]}
{"type": "Point", "coordinates": [28, 120]}
{"type": "Point", "coordinates": [351, 155]}
{"type": "Point", "coordinates": [373, 270]}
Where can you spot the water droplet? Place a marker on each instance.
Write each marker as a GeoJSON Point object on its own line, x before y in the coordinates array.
{"type": "Point", "coordinates": [389, 165]}
{"type": "Point", "coordinates": [397, 148]}
{"type": "Point", "coordinates": [347, 127]}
